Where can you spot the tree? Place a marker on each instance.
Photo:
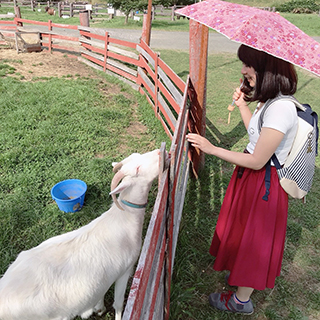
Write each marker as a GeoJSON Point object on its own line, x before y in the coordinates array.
{"type": "Point", "coordinates": [126, 6]}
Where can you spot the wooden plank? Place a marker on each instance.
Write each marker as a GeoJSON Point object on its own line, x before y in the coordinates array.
{"type": "Point", "coordinates": [146, 55]}
{"type": "Point", "coordinates": [169, 97]}
{"type": "Point", "coordinates": [91, 48]}
{"type": "Point", "coordinates": [121, 72]}
{"type": "Point", "coordinates": [147, 49]}
{"type": "Point", "coordinates": [123, 43]}
{"type": "Point", "coordinates": [93, 58]}
{"type": "Point", "coordinates": [126, 53]}
{"type": "Point", "coordinates": [147, 83]}
{"type": "Point", "coordinates": [96, 31]}
{"type": "Point", "coordinates": [171, 87]}
{"type": "Point", "coordinates": [93, 43]}
{"type": "Point", "coordinates": [8, 34]}
{"type": "Point", "coordinates": [116, 68]}
{"type": "Point", "coordinates": [139, 284]}
{"type": "Point", "coordinates": [148, 70]}
{"type": "Point", "coordinates": [92, 35]}
{"type": "Point", "coordinates": [55, 35]}
{"type": "Point", "coordinates": [122, 67]}
{"type": "Point", "coordinates": [179, 201]}
{"type": "Point", "coordinates": [101, 45]}
{"type": "Point", "coordinates": [165, 110]}
{"type": "Point", "coordinates": [158, 308]}
{"type": "Point", "coordinates": [8, 22]}
{"type": "Point", "coordinates": [155, 274]}
{"type": "Point", "coordinates": [164, 124]}
{"type": "Point", "coordinates": [57, 46]}
{"type": "Point", "coordinates": [123, 58]}
{"type": "Point", "coordinates": [92, 54]}
{"type": "Point", "coordinates": [64, 26]}
{"type": "Point", "coordinates": [11, 28]}
{"type": "Point", "coordinates": [165, 127]}
{"type": "Point", "coordinates": [172, 75]}
{"type": "Point", "coordinates": [95, 66]}
{"type": "Point", "coordinates": [181, 118]}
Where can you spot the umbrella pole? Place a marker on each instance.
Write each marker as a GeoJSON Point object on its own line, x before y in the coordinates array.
{"type": "Point", "coordinates": [198, 60]}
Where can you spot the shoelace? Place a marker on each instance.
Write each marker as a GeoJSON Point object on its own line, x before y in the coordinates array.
{"type": "Point", "coordinates": [225, 297]}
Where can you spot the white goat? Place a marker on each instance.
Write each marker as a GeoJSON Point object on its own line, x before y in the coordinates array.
{"type": "Point", "coordinates": [68, 275]}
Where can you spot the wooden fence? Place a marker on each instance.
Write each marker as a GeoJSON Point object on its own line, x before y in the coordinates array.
{"type": "Point", "coordinates": [118, 57]}
{"type": "Point", "coordinates": [27, 4]}
{"type": "Point", "coordinates": [51, 34]}
{"type": "Point", "coordinates": [171, 99]}
{"type": "Point", "coordinates": [149, 297]}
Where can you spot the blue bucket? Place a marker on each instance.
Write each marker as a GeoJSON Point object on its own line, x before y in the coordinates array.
{"type": "Point", "coordinates": [69, 194]}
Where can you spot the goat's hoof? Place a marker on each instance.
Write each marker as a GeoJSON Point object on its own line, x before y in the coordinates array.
{"type": "Point", "coordinates": [101, 311]}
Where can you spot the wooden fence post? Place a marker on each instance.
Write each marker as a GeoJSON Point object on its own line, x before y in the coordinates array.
{"type": "Point", "coordinates": [50, 35]}
{"type": "Point", "coordinates": [84, 18]}
{"type": "Point", "coordinates": [198, 55]}
{"type": "Point", "coordinates": [156, 80]}
{"type": "Point", "coordinates": [173, 9]}
{"type": "Point", "coordinates": [106, 41]}
{"type": "Point", "coordinates": [146, 28]}
{"type": "Point", "coordinates": [71, 9]}
{"type": "Point", "coordinates": [59, 9]}
{"type": "Point", "coordinates": [17, 13]}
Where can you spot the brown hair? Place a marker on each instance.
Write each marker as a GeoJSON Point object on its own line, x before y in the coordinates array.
{"type": "Point", "coordinates": [273, 75]}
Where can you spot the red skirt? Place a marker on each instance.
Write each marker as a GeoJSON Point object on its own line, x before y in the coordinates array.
{"type": "Point", "coordinates": [250, 233]}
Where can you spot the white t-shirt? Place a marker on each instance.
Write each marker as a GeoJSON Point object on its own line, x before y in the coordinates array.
{"type": "Point", "coordinates": [281, 116]}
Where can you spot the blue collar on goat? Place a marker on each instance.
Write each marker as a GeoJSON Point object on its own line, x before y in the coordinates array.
{"type": "Point", "coordinates": [133, 205]}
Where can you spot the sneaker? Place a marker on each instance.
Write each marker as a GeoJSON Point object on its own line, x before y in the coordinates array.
{"type": "Point", "coordinates": [225, 301]}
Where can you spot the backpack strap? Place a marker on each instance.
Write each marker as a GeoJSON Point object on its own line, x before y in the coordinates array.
{"type": "Point", "coordinates": [267, 178]}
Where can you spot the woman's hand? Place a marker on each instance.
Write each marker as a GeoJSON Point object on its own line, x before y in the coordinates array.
{"type": "Point", "coordinates": [200, 142]}
{"type": "Point", "coordinates": [238, 97]}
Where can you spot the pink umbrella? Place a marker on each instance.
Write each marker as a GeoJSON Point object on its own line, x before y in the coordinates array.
{"type": "Point", "coordinates": [263, 30]}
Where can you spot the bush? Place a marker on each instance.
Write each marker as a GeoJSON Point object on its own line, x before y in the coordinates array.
{"type": "Point", "coordinates": [299, 6]}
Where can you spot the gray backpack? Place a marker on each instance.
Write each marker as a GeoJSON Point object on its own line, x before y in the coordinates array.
{"type": "Point", "coordinates": [297, 172]}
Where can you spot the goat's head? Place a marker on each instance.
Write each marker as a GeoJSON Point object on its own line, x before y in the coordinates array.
{"type": "Point", "coordinates": [144, 167]}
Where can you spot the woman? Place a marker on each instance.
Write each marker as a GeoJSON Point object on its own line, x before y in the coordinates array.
{"type": "Point", "coordinates": [250, 232]}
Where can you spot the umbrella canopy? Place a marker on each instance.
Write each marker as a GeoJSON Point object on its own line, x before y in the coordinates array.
{"type": "Point", "coordinates": [263, 30]}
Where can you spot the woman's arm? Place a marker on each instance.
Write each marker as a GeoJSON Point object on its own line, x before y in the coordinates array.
{"type": "Point", "coordinates": [267, 144]}
{"type": "Point", "coordinates": [238, 97]}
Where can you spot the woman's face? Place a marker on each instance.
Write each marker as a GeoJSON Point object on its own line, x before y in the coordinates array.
{"type": "Point", "coordinates": [250, 74]}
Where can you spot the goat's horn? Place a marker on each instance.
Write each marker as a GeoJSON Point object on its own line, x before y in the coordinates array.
{"type": "Point", "coordinates": [114, 183]}
{"type": "Point", "coordinates": [117, 167]}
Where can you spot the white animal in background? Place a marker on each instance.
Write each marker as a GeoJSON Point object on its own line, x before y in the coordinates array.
{"type": "Point", "coordinates": [68, 275]}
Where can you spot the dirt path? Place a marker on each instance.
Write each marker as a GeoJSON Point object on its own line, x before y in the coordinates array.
{"type": "Point", "coordinates": [42, 64]}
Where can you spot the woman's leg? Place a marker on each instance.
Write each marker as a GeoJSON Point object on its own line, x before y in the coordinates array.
{"type": "Point", "coordinates": [244, 293]}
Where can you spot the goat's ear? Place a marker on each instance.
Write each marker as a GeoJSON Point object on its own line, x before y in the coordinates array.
{"type": "Point", "coordinates": [122, 186]}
